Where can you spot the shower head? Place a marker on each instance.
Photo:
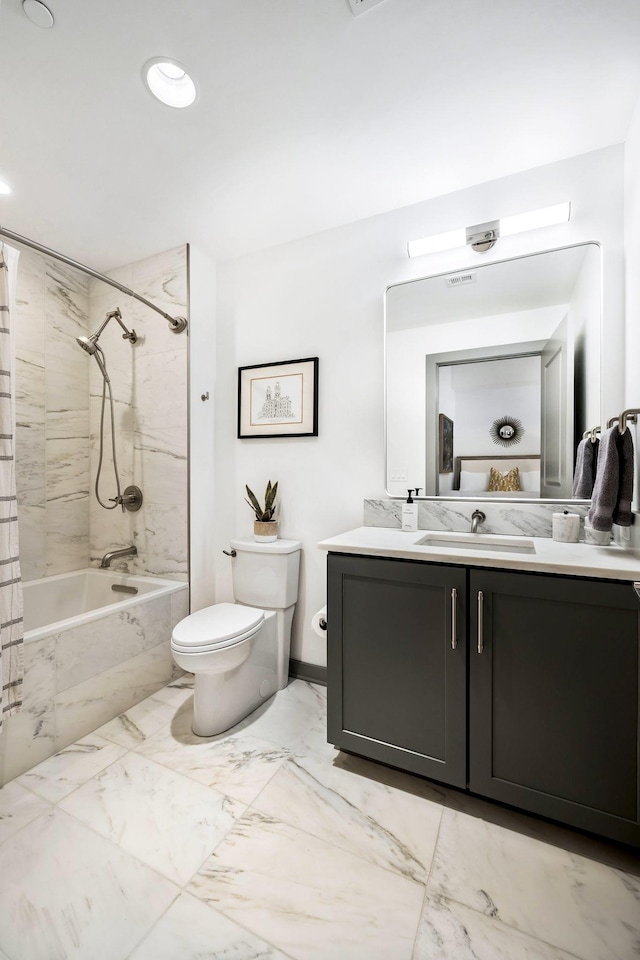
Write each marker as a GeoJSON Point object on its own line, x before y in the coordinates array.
{"type": "Point", "coordinates": [87, 344]}
{"type": "Point", "coordinates": [90, 344]}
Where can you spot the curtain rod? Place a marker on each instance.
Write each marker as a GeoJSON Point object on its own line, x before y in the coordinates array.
{"type": "Point", "coordinates": [176, 324]}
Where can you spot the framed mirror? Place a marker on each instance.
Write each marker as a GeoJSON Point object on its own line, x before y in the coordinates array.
{"type": "Point", "coordinates": [492, 375]}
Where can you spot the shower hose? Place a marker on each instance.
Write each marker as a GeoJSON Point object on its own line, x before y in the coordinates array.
{"type": "Point", "coordinates": [106, 385]}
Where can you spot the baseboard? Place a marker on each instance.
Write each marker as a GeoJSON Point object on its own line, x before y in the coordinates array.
{"type": "Point", "coordinates": [299, 670]}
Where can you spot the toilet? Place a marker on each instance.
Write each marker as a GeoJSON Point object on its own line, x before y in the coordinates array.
{"type": "Point", "coordinates": [239, 652]}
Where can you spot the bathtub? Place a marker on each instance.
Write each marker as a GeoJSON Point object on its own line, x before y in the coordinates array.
{"type": "Point", "coordinates": [67, 600]}
{"type": "Point", "coordinates": [90, 654]}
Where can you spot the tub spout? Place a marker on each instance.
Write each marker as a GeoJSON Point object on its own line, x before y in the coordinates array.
{"type": "Point", "coordinates": [131, 551]}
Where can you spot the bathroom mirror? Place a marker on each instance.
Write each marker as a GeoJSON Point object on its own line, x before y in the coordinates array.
{"type": "Point", "coordinates": [491, 370]}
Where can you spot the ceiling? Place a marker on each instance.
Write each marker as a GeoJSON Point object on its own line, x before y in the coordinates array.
{"type": "Point", "coordinates": [307, 117]}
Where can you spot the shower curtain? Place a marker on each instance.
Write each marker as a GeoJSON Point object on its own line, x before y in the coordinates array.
{"type": "Point", "coordinates": [11, 625]}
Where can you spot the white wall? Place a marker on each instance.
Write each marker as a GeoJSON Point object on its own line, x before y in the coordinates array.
{"type": "Point", "coordinates": [632, 286]}
{"type": "Point", "coordinates": [487, 391]}
{"type": "Point", "coordinates": [322, 296]}
{"type": "Point", "coordinates": [202, 381]}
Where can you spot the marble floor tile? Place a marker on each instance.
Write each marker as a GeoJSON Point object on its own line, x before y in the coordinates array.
{"type": "Point", "coordinates": [164, 819]}
{"type": "Point", "coordinates": [68, 894]}
{"type": "Point", "coordinates": [238, 766]}
{"type": "Point", "coordinates": [17, 808]}
{"type": "Point", "coordinates": [309, 898]}
{"type": "Point", "coordinates": [191, 930]}
{"type": "Point", "coordinates": [451, 931]}
{"type": "Point", "coordinates": [132, 727]}
{"type": "Point", "coordinates": [178, 692]}
{"type": "Point", "coordinates": [330, 861]}
{"type": "Point", "coordinates": [287, 716]}
{"type": "Point", "coordinates": [573, 841]}
{"type": "Point", "coordinates": [382, 815]}
{"type": "Point", "coordinates": [579, 905]}
{"type": "Point", "coordinates": [65, 771]}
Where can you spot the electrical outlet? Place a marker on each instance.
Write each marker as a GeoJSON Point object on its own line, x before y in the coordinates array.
{"type": "Point", "coordinates": [398, 475]}
{"type": "Point", "coordinates": [361, 6]}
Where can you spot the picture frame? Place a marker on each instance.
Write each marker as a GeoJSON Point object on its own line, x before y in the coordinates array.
{"type": "Point", "coordinates": [278, 399]}
{"type": "Point", "coordinates": [445, 444]}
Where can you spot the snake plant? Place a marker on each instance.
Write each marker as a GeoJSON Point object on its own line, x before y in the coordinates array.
{"type": "Point", "coordinates": [267, 513]}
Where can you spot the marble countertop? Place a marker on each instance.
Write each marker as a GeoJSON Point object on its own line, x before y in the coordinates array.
{"type": "Point", "coordinates": [611, 562]}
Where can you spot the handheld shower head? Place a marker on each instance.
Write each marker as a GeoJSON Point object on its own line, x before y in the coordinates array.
{"type": "Point", "coordinates": [90, 345]}
{"type": "Point", "coordinates": [87, 344]}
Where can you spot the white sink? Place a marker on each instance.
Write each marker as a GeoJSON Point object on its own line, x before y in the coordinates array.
{"type": "Point", "coordinates": [477, 541]}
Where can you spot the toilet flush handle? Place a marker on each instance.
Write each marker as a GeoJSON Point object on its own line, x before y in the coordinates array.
{"type": "Point", "coordinates": [229, 553]}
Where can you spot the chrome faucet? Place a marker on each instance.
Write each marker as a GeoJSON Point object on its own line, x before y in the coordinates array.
{"type": "Point", "coordinates": [477, 517]}
{"type": "Point", "coordinates": [131, 551]}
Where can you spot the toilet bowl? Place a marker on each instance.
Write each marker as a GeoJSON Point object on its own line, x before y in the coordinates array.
{"type": "Point", "coordinates": [239, 652]}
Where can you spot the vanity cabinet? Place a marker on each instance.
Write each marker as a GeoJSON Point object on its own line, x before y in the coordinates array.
{"type": "Point", "coordinates": [551, 692]}
{"type": "Point", "coordinates": [396, 665]}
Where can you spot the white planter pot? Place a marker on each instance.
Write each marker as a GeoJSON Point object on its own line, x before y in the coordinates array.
{"type": "Point", "coordinates": [265, 531]}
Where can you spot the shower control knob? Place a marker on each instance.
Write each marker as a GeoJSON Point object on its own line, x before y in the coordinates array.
{"type": "Point", "coordinates": [130, 500]}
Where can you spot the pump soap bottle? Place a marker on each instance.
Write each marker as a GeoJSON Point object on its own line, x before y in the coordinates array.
{"type": "Point", "coordinates": [410, 514]}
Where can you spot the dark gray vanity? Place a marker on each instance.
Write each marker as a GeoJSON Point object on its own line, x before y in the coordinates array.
{"type": "Point", "coordinates": [516, 685]}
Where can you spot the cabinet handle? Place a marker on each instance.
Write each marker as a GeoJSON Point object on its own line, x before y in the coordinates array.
{"type": "Point", "coordinates": [454, 597]}
{"type": "Point", "coordinates": [480, 607]}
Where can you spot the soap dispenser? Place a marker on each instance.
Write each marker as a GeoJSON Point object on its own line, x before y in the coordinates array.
{"type": "Point", "coordinates": [410, 514]}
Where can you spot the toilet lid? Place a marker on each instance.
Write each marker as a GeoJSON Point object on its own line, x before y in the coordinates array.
{"type": "Point", "coordinates": [217, 626]}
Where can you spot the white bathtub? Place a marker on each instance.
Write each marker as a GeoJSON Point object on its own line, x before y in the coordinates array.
{"type": "Point", "coordinates": [67, 600]}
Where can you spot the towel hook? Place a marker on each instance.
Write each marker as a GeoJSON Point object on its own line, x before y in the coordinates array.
{"type": "Point", "coordinates": [591, 434]}
{"type": "Point", "coordinates": [627, 416]}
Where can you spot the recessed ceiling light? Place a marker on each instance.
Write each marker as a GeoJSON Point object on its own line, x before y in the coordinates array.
{"type": "Point", "coordinates": [38, 13]}
{"type": "Point", "coordinates": [169, 82]}
{"type": "Point", "coordinates": [5, 189]}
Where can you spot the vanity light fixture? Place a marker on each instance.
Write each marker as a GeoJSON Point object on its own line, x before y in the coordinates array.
{"type": "Point", "coordinates": [169, 82]}
{"type": "Point", "coordinates": [482, 236]}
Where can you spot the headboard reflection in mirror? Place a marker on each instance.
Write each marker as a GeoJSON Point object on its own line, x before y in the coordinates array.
{"type": "Point", "coordinates": [493, 375]}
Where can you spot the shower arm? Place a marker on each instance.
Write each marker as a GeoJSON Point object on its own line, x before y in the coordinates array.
{"type": "Point", "coordinates": [176, 324]}
{"type": "Point", "coordinates": [129, 335]}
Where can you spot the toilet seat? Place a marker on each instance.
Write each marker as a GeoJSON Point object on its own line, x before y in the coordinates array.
{"type": "Point", "coordinates": [216, 627]}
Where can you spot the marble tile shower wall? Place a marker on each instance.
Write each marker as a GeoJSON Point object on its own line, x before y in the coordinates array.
{"type": "Point", "coordinates": [58, 400]}
{"type": "Point", "coordinates": [52, 417]}
{"type": "Point", "coordinates": [149, 382]}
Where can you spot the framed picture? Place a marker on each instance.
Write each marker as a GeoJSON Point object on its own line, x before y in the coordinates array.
{"type": "Point", "coordinates": [278, 399]}
{"type": "Point", "coordinates": [445, 444]}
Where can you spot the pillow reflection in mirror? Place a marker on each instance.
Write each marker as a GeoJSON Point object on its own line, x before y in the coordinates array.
{"type": "Point", "coordinates": [474, 480]}
{"type": "Point", "coordinates": [530, 481]}
{"type": "Point", "coordinates": [506, 482]}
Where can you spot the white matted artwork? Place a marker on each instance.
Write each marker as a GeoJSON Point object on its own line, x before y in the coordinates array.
{"type": "Point", "coordinates": [278, 399]}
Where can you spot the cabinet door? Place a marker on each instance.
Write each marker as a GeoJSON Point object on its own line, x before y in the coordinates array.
{"type": "Point", "coordinates": [396, 663]}
{"type": "Point", "coordinates": [553, 708]}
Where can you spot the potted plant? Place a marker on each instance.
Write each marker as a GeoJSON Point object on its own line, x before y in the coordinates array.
{"type": "Point", "coordinates": [265, 528]}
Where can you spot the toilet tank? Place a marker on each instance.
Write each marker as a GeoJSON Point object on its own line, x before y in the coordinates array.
{"type": "Point", "coordinates": [266, 574]}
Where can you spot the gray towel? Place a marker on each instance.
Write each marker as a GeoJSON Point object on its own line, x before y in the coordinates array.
{"type": "Point", "coordinates": [585, 475]}
{"type": "Point", "coordinates": [622, 512]}
{"type": "Point", "coordinates": [613, 489]}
